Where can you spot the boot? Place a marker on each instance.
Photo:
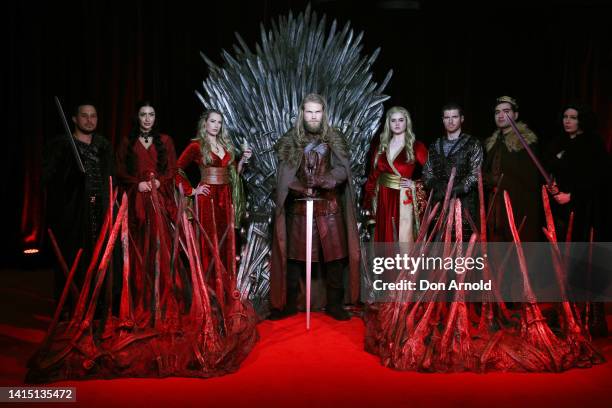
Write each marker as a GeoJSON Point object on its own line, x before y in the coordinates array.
{"type": "Point", "coordinates": [334, 306]}
{"type": "Point", "coordinates": [290, 307]}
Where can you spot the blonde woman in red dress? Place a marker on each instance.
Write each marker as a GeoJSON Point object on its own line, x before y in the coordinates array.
{"type": "Point", "coordinates": [219, 195]}
{"type": "Point", "coordinates": [390, 190]}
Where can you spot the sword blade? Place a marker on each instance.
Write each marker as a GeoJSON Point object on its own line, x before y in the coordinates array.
{"type": "Point", "coordinates": [75, 151]}
{"type": "Point", "coordinates": [309, 211]}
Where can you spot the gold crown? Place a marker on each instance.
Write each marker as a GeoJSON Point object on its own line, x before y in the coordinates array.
{"type": "Point", "coordinates": [507, 99]}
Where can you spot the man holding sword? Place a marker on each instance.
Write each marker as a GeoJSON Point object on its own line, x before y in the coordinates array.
{"type": "Point", "coordinates": [313, 171]}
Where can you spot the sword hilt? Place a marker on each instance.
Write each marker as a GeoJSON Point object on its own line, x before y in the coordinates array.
{"type": "Point", "coordinates": [311, 199]}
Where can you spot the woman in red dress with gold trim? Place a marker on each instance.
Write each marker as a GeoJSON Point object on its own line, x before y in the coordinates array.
{"type": "Point", "coordinates": [390, 190]}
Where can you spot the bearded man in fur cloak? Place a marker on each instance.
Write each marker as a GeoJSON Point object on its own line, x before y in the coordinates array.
{"type": "Point", "coordinates": [505, 154]}
{"type": "Point", "coordinates": [314, 162]}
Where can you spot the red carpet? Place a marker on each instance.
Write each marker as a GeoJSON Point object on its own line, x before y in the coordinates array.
{"type": "Point", "coordinates": [291, 367]}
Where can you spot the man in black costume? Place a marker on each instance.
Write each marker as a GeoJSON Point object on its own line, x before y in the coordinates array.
{"type": "Point", "coordinates": [509, 167]}
{"type": "Point", "coordinates": [77, 201]}
{"type": "Point", "coordinates": [462, 151]}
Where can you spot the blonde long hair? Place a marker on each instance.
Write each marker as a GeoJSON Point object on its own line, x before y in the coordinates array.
{"type": "Point", "coordinates": [222, 137]}
{"type": "Point", "coordinates": [386, 135]}
{"type": "Point", "coordinates": [299, 121]}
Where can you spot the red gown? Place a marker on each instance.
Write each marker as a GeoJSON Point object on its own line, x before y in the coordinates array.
{"type": "Point", "coordinates": [143, 219]}
{"type": "Point", "coordinates": [219, 202]}
{"type": "Point", "coordinates": [387, 209]}
{"type": "Point", "coordinates": [145, 163]}
{"type": "Point", "coordinates": [183, 330]}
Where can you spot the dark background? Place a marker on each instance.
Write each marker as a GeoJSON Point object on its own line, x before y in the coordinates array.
{"type": "Point", "coordinates": [543, 53]}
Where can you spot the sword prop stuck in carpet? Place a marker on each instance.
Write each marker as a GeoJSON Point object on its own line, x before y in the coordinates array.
{"type": "Point", "coordinates": [309, 214]}
{"type": "Point", "coordinates": [309, 218]}
{"type": "Point", "coordinates": [311, 165]}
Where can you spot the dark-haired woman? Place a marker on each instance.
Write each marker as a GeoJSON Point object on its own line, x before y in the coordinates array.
{"type": "Point", "coordinates": [147, 160]}
{"type": "Point", "coordinates": [578, 162]}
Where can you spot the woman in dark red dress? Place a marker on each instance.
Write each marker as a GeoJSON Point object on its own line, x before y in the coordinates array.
{"type": "Point", "coordinates": [180, 327]}
{"type": "Point", "coordinates": [390, 190]}
{"type": "Point", "coordinates": [147, 162]}
{"type": "Point", "coordinates": [219, 197]}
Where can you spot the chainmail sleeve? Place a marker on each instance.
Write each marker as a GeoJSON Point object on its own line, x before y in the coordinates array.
{"type": "Point", "coordinates": [474, 155]}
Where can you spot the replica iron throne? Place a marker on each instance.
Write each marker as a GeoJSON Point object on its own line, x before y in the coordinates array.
{"type": "Point", "coordinates": [260, 92]}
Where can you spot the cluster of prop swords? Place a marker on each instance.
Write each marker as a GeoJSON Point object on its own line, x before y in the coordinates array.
{"type": "Point", "coordinates": [402, 338]}
{"type": "Point", "coordinates": [417, 332]}
{"type": "Point", "coordinates": [310, 200]}
{"type": "Point", "coordinates": [157, 310]}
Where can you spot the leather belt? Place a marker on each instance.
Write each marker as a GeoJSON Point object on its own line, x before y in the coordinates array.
{"type": "Point", "coordinates": [215, 175]}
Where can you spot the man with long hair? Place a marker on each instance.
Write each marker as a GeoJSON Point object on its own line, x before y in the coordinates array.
{"type": "Point", "coordinates": [314, 162]}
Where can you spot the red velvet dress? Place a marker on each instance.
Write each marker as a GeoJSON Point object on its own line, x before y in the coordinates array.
{"type": "Point", "coordinates": [218, 202]}
{"type": "Point", "coordinates": [145, 163]}
{"type": "Point", "coordinates": [183, 330]}
{"type": "Point", "coordinates": [387, 211]}
{"type": "Point", "coordinates": [143, 220]}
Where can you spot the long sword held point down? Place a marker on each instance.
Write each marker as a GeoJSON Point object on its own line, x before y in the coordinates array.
{"type": "Point", "coordinates": [309, 216]}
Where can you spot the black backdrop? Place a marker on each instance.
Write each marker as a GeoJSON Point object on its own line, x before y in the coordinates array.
{"type": "Point", "coordinates": [543, 53]}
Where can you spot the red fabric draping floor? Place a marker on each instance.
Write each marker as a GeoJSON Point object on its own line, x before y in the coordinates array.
{"type": "Point", "coordinates": [291, 367]}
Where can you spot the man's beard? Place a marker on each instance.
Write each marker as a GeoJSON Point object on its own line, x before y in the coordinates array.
{"type": "Point", "coordinates": [505, 127]}
{"type": "Point", "coordinates": [313, 129]}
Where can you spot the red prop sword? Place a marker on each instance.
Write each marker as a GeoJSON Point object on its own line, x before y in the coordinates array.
{"type": "Point", "coordinates": [533, 157]}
